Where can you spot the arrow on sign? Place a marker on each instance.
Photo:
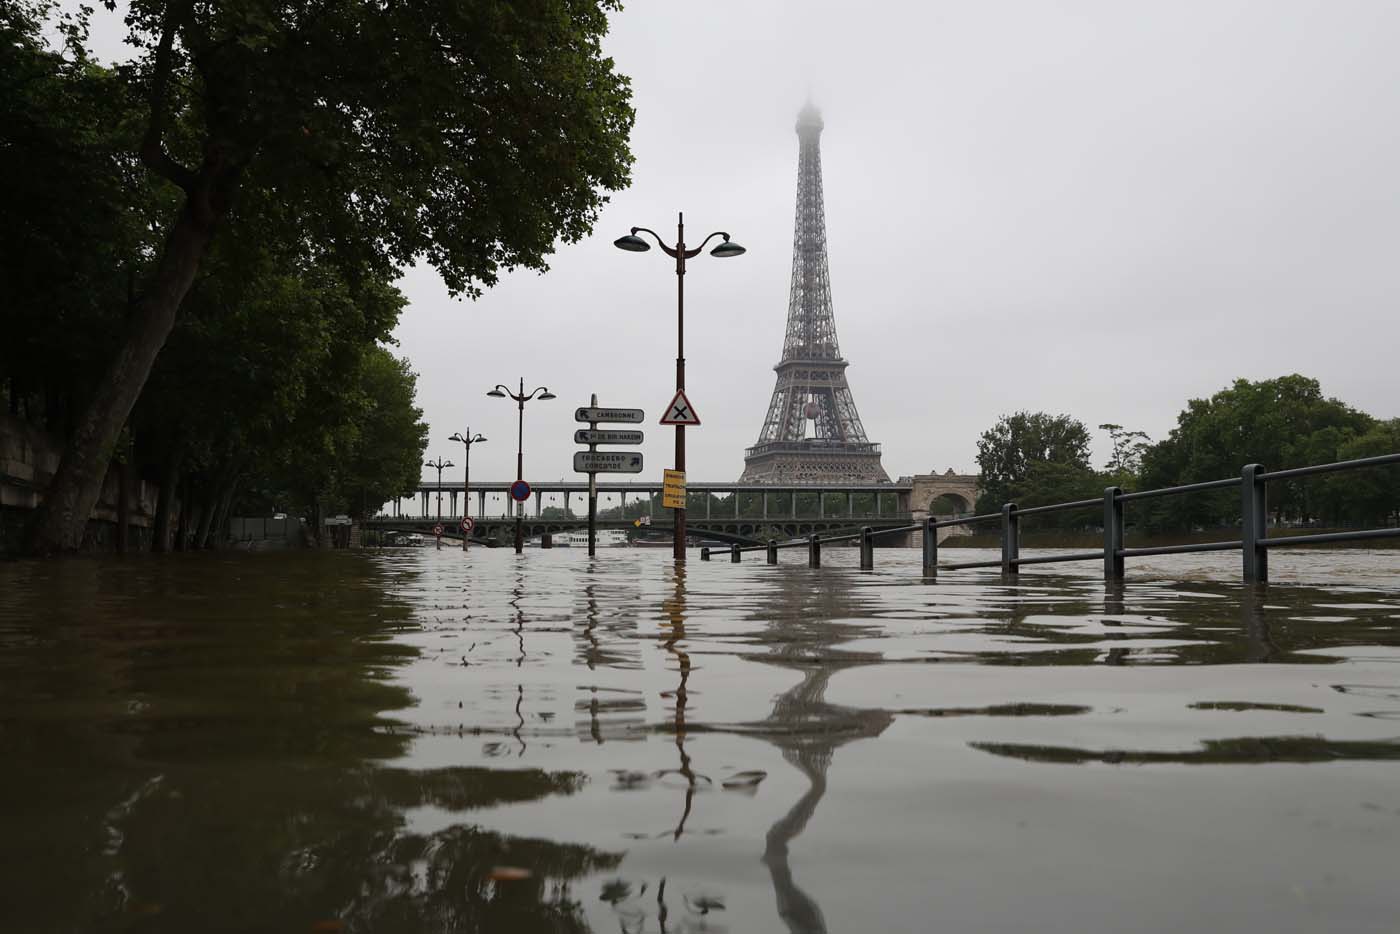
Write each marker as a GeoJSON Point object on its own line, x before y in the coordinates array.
{"type": "Point", "coordinates": [680, 411]}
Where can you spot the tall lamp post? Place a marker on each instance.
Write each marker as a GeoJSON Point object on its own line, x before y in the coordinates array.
{"type": "Point", "coordinates": [439, 464]}
{"type": "Point", "coordinates": [501, 392]}
{"type": "Point", "coordinates": [467, 441]}
{"type": "Point", "coordinates": [726, 248]}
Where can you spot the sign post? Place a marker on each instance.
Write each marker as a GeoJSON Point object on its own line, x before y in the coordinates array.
{"type": "Point", "coordinates": [593, 462]}
{"type": "Point", "coordinates": [592, 484]}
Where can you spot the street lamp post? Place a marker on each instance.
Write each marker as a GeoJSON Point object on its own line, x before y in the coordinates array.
{"type": "Point", "coordinates": [501, 392]}
{"type": "Point", "coordinates": [467, 439]}
{"type": "Point", "coordinates": [439, 464]}
{"type": "Point", "coordinates": [635, 244]}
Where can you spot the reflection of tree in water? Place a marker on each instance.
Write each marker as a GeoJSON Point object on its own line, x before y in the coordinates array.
{"type": "Point", "coordinates": [214, 764]}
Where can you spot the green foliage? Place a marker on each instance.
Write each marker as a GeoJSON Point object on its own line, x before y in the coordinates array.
{"type": "Point", "coordinates": [1008, 452]}
{"type": "Point", "coordinates": [329, 147]}
{"type": "Point", "coordinates": [1371, 495]}
{"type": "Point", "coordinates": [1280, 423]}
{"type": "Point", "coordinates": [1125, 463]}
{"type": "Point", "coordinates": [474, 135]}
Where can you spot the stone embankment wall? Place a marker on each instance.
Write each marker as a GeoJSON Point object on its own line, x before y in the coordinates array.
{"type": "Point", "coordinates": [28, 459]}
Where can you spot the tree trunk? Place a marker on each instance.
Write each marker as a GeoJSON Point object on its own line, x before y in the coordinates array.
{"type": "Point", "coordinates": [169, 483]}
{"type": "Point", "coordinates": [70, 498]}
{"type": "Point", "coordinates": [218, 487]}
{"type": "Point", "coordinates": [124, 505]}
{"type": "Point", "coordinates": [225, 504]}
{"type": "Point", "coordinates": [182, 528]}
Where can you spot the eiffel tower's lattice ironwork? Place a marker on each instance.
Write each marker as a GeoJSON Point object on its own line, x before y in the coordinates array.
{"type": "Point", "coordinates": [812, 433]}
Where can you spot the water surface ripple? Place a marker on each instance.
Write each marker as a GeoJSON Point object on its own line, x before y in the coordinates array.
{"type": "Point", "coordinates": [422, 740]}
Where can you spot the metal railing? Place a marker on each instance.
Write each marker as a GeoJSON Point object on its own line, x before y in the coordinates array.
{"type": "Point", "coordinates": [1254, 541]}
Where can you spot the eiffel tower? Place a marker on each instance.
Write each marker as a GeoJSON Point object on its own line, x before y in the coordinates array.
{"type": "Point", "coordinates": [812, 433]}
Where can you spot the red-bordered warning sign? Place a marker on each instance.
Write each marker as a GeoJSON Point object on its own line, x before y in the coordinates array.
{"type": "Point", "coordinates": [437, 530]}
{"type": "Point", "coordinates": [680, 411]}
{"type": "Point", "coordinates": [468, 523]}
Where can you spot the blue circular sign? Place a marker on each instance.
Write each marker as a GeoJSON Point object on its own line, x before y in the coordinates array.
{"type": "Point", "coordinates": [520, 491]}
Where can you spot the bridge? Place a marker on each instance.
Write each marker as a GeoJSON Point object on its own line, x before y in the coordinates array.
{"type": "Point", "coordinates": [730, 512]}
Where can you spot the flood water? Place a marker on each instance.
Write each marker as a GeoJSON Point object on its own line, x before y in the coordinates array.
{"type": "Point", "coordinates": [425, 741]}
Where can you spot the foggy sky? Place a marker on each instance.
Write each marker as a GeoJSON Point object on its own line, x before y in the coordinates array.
{"type": "Point", "coordinates": [1098, 208]}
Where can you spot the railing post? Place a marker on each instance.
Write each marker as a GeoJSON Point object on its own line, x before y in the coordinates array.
{"type": "Point", "coordinates": [1253, 515]}
{"type": "Point", "coordinates": [734, 553]}
{"type": "Point", "coordinates": [772, 551]}
{"type": "Point", "coordinates": [814, 551]}
{"type": "Point", "coordinates": [867, 550]}
{"type": "Point", "coordinates": [1010, 539]}
{"type": "Point", "coordinates": [1112, 534]}
{"type": "Point", "coordinates": [930, 548]}
{"type": "Point", "coordinates": [704, 554]}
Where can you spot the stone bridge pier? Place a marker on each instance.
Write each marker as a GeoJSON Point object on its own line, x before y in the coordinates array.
{"type": "Point", "coordinates": [942, 496]}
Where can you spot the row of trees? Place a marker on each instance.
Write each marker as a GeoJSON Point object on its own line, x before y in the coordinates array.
{"type": "Point", "coordinates": [199, 244]}
{"type": "Point", "coordinates": [1033, 458]}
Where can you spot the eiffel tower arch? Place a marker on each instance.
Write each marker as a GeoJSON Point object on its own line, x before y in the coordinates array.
{"type": "Point", "coordinates": [812, 432]}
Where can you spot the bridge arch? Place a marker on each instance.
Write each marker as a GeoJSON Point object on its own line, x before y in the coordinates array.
{"type": "Point", "coordinates": [949, 503]}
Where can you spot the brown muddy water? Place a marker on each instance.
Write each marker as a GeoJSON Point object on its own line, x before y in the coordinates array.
{"type": "Point", "coordinates": [422, 741]}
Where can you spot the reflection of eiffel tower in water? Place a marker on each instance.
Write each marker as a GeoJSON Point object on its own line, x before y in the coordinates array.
{"type": "Point", "coordinates": [809, 730]}
{"type": "Point", "coordinates": [812, 433]}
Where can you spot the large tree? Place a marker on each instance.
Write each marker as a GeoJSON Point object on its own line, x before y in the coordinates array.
{"type": "Point", "coordinates": [1280, 423]}
{"type": "Point", "coordinates": [1020, 447]}
{"type": "Point", "coordinates": [474, 135]}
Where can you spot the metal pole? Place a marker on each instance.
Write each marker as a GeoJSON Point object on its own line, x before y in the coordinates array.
{"type": "Point", "coordinates": [592, 491]}
{"type": "Point", "coordinates": [930, 547]}
{"type": "Point", "coordinates": [772, 551]}
{"type": "Point", "coordinates": [867, 550]}
{"type": "Point", "coordinates": [1112, 534]}
{"type": "Point", "coordinates": [704, 554]}
{"type": "Point", "coordinates": [466, 486]}
{"type": "Point", "coordinates": [1254, 528]}
{"type": "Point", "coordinates": [814, 551]}
{"type": "Point", "coordinates": [519, 468]}
{"type": "Point", "coordinates": [679, 545]}
{"type": "Point", "coordinates": [1010, 539]}
{"type": "Point", "coordinates": [734, 553]}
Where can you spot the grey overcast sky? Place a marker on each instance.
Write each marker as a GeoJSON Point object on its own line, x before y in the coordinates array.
{"type": "Point", "coordinates": [1102, 208]}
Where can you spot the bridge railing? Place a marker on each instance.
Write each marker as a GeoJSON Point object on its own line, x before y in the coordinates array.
{"type": "Point", "coordinates": [1254, 542]}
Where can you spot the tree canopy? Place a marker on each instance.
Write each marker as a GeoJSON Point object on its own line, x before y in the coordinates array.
{"type": "Point", "coordinates": [308, 142]}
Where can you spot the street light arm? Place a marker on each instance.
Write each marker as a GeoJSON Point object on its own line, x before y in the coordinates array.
{"type": "Point", "coordinates": [669, 251]}
{"type": "Point", "coordinates": [536, 391]}
{"type": "Point", "coordinates": [690, 254]}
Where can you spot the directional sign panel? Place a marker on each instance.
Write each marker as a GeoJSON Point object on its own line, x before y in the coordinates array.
{"type": "Point", "coordinates": [586, 414]}
{"type": "Point", "coordinates": [599, 436]}
{"type": "Point", "coordinates": [680, 411]}
{"type": "Point", "coordinates": [608, 461]}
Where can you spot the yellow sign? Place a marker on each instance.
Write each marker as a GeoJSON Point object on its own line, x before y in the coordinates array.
{"type": "Point", "coordinates": [673, 489]}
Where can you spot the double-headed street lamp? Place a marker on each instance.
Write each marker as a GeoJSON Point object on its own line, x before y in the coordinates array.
{"type": "Point", "coordinates": [501, 392]}
{"type": "Point", "coordinates": [635, 244]}
{"type": "Point", "coordinates": [439, 464]}
{"type": "Point", "coordinates": [467, 440]}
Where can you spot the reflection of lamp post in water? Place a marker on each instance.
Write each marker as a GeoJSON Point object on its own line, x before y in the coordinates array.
{"type": "Point", "coordinates": [635, 244]}
{"type": "Point", "coordinates": [501, 392]}
{"type": "Point", "coordinates": [675, 609]}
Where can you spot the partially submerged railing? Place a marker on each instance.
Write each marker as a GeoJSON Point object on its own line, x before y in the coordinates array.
{"type": "Point", "coordinates": [1254, 541]}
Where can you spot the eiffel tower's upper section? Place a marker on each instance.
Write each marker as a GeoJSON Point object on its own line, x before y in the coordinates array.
{"type": "Point", "coordinates": [811, 326]}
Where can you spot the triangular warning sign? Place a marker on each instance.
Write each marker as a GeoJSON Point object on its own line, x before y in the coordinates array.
{"type": "Point", "coordinates": [680, 411]}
